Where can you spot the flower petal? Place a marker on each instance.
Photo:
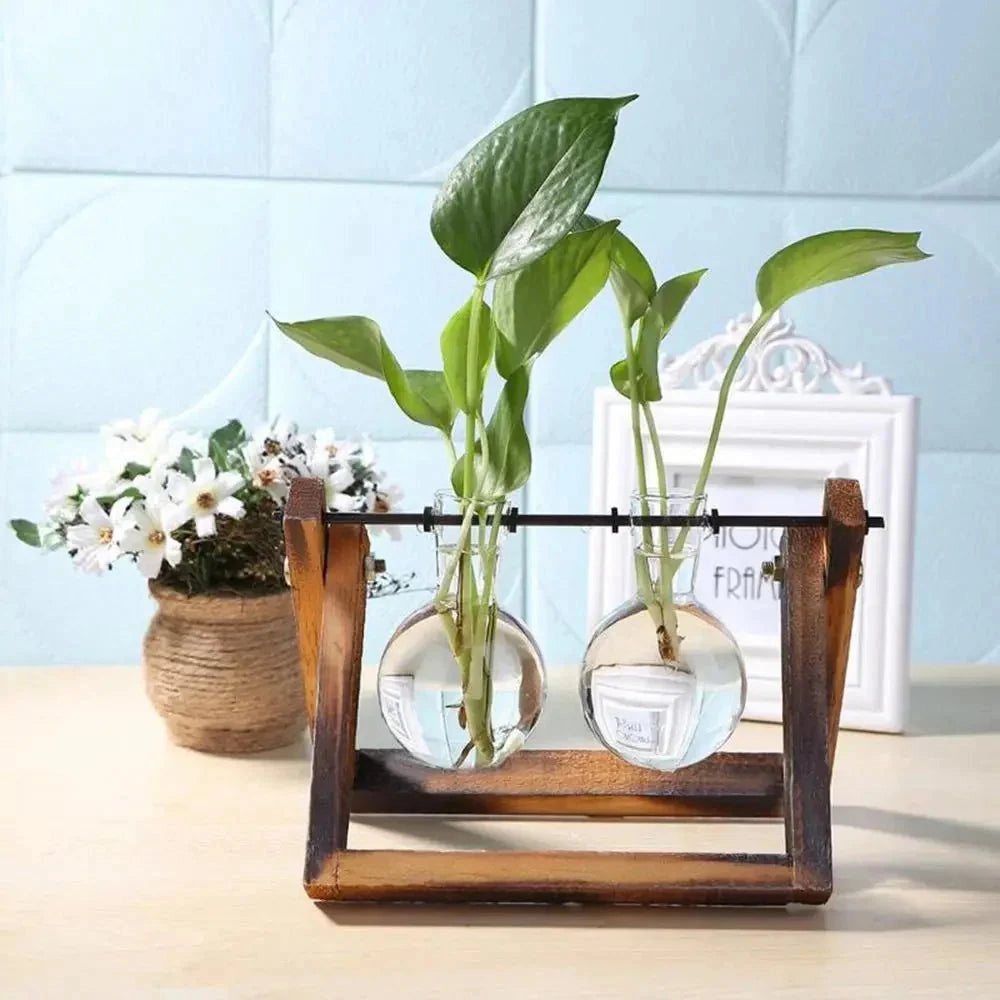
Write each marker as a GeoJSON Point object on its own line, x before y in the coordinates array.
{"type": "Point", "coordinates": [231, 507]}
{"type": "Point", "coordinates": [204, 525]}
{"type": "Point", "coordinates": [228, 483]}
{"type": "Point", "coordinates": [204, 471]}
{"type": "Point", "coordinates": [149, 563]}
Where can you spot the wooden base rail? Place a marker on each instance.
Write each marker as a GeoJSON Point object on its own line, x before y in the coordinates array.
{"type": "Point", "coordinates": [571, 783]}
{"type": "Point", "coordinates": [822, 565]}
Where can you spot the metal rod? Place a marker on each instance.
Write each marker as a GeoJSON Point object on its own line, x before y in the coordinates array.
{"type": "Point", "coordinates": [427, 519]}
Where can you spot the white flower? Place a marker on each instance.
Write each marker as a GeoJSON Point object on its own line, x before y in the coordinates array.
{"type": "Point", "coordinates": [148, 424]}
{"type": "Point", "coordinates": [97, 542]}
{"type": "Point", "coordinates": [386, 499]}
{"type": "Point", "coordinates": [326, 450]}
{"type": "Point", "coordinates": [63, 502]}
{"type": "Point", "coordinates": [153, 485]}
{"type": "Point", "coordinates": [267, 473]}
{"type": "Point", "coordinates": [150, 537]}
{"type": "Point", "coordinates": [141, 441]}
{"type": "Point", "coordinates": [207, 494]}
{"type": "Point", "coordinates": [365, 454]}
{"type": "Point", "coordinates": [280, 435]}
{"type": "Point", "coordinates": [336, 483]}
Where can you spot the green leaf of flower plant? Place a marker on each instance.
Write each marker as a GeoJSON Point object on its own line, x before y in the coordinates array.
{"type": "Point", "coordinates": [185, 462]}
{"type": "Point", "coordinates": [659, 318]}
{"type": "Point", "coordinates": [520, 189]}
{"type": "Point", "coordinates": [532, 305]}
{"type": "Point", "coordinates": [828, 257]}
{"type": "Point", "coordinates": [455, 342]}
{"type": "Point", "coordinates": [224, 441]}
{"type": "Point", "coordinates": [27, 532]}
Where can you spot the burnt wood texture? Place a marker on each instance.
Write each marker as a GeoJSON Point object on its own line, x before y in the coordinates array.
{"type": "Point", "coordinates": [327, 564]}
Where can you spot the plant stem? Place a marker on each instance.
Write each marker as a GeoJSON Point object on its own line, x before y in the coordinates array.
{"type": "Point", "coordinates": [720, 411]}
{"type": "Point", "coordinates": [450, 445]}
{"type": "Point", "coordinates": [667, 565]}
{"type": "Point", "coordinates": [472, 379]}
{"type": "Point", "coordinates": [643, 581]}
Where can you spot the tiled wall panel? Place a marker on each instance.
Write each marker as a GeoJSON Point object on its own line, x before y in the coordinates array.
{"type": "Point", "coordinates": [392, 91]}
{"type": "Point", "coordinates": [162, 86]}
{"type": "Point", "coordinates": [169, 170]}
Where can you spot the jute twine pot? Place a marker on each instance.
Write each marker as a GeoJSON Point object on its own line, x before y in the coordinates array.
{"type": "Point", "coordinates": [223, 670]}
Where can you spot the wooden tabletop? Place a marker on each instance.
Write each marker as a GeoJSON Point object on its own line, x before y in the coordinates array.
{"type": "Point", "coordinates": [129, 867]}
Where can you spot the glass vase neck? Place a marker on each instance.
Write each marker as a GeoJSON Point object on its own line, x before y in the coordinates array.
{"type": "Point", "coordinates": [480, 542]}
{"type": "Point", "coordinates": [669, 549]}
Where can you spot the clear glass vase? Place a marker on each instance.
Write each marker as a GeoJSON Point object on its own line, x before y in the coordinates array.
{"type": "Point", "coordinates": [461, 683]}
{"type": "Point", "coordinates": [663, 683]}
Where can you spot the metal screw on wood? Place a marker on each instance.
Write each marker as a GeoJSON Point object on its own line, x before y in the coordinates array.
{"type": "Point", "coordinates": [773, 569]}
{"type": "Point", "coordinates": [373, 567]}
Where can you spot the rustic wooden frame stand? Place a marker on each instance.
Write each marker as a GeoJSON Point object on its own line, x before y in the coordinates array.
{"type": "Point", "coordinates": [821, 565]}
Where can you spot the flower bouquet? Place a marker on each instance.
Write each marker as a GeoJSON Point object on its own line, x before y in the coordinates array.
{"type": "Point", "coordinates": [199, 516]}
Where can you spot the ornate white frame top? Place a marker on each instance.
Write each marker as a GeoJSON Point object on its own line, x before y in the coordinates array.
{"type": "Point", "coordinates": [779, 360]}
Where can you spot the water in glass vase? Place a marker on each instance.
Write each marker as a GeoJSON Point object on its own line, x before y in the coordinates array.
{"type": "Point", "coordinates": [461, 682]}
{"type": "Point", "coordinates": [660, 693]}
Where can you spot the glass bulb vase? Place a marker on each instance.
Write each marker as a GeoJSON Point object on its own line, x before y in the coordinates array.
{"type": "Point", "coordinates": [663, 683]}
{"type": "Point", "coordinates": [461, 682]}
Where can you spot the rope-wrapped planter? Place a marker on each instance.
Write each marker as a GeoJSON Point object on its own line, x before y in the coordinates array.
{"type": "Point", "coordinates": [223, 670]}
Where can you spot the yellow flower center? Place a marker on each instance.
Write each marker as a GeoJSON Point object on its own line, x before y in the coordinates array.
{"type": "Point", "coordinates": [381, 506]}
{"type": "Point", "coordinates": [104, 536]}
{"type": "Point", "coordinates": [267, 476]}
{"type": "Point", "coordinates": [331, 450]}
{"type": "Point", "coordinates": [205, 500]}
{"type": "Point", "coordinates": [156, 537]}
{"type": "Point", "coordinates": [272, 447]}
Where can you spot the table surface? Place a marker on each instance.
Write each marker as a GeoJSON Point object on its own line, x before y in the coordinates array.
{"type": "Point", "coordinates": [129, 867]}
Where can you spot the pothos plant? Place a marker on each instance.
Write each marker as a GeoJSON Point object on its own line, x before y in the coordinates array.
{"type": "Point", "coordinates": [648, 312]}
{"type": "Point", "coordinates": [507, 215]}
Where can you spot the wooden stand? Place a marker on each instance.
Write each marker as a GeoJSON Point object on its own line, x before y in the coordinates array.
{"type": "Point", "coordinates": [821, 574]}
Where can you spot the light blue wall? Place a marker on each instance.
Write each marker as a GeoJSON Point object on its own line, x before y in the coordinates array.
{"type": "Point", "coordinates": [172, 168]}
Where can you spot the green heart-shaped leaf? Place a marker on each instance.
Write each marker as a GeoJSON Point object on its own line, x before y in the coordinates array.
{"type": "Point", "coordinates": [520, 189]}
{"type": "Point", "coordinates": [456, 340]}
{"type": "Point", "coordinates": [532, 305]}
{"type": "Point", "coordinates": [828, 257]}
{"type": "Point", "coordinates": [659, 318]}
{"type": "Point", "coordinates": [422, 395]}
{"type": "Point", "coordinates": [353, 342]}
{"type": "Point", "coordinates": [509, 447]}
{"type": "Point", "coordinates": [356, 343]}
{"type": "Point", "coordinates": [632, 279]}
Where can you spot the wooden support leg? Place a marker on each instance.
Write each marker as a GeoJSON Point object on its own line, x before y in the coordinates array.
{"type": "Point", "coordinates": [339, 683]}
{"type": "Point", "coordinates": [843, 505]}
{"type": "Point", "coordinates": [804, 710]}
{"type": "Point", "coordinates": [305, 546]}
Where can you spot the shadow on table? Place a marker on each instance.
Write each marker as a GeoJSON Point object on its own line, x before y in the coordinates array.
{"type": "Point", "coordinates": [942, 831]}
{"type": "Point", "coordinates": [954, 710]}
{"type": "Point", "coordinates": [852, 914]}
{"type": "Point", "coordinates": [861, 899]}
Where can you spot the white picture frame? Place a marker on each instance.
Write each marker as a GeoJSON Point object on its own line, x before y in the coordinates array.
{"type": "Point", "coordinates": [783, 436]}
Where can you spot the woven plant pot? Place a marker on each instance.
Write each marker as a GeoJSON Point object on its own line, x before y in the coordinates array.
{"type": "Point", "coordinates": [223, 670]}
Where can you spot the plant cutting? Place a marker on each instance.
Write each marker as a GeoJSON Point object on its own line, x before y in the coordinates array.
{"type": "Point", "coordinates": [199, 517]}
{"type": "Point", "coordinates": [703, 709]}
{"type": "Point", "coordinates": [507, 214]}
